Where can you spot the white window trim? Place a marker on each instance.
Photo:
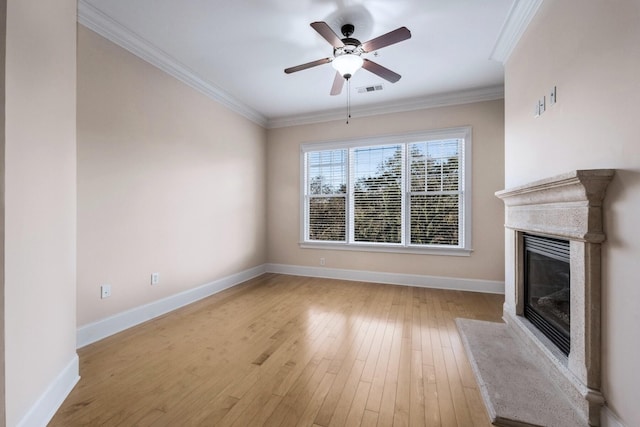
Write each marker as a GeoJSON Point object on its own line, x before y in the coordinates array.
{"type": "Point", "coordinates": [463, 132]}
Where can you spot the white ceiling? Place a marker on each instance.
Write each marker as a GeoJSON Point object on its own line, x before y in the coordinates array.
{"type": "Point", "coordinates": [236, 51]}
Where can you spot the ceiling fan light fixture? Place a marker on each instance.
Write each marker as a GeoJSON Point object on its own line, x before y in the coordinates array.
{"type": "Point", "coordinates": [347, 64]}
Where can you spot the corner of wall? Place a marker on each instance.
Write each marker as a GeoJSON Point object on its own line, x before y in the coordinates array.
{"type": "Point", "coordinates": [48, 403]}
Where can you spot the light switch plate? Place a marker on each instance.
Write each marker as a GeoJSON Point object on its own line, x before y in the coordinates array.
{"type": "Point", "coordinates": [542, 104]}
{"type": "Point", "coordinates": [552, 96]}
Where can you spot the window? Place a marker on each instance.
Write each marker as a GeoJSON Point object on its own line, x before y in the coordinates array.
{"type": "Point", "coordinates": [408, 193]}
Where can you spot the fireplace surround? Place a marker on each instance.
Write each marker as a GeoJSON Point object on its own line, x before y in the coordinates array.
{"type": "Point", "coordinates": [567, 207]}
{"type": "Point", "coordinates": [555, 388]}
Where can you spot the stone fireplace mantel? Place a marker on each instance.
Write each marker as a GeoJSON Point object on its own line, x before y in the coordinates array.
{"type": "Point", "coordinates": [568, 207]}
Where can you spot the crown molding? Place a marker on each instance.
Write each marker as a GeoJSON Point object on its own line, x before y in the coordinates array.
{"type": "Point", "coordinates": [518, 18]}
{"type": "Point", "coordinates": [107, 27]}
{"type": "Point", "coordinates": [441, 100]}
{"type": "Point", "coordinates": [99, 22]}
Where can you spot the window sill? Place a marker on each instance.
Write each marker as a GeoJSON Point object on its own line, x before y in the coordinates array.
{"type": "Point", "coordinates": [443, 251]}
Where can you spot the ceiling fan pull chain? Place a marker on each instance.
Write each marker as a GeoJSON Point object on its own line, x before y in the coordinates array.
{"type": "Point", "coordinates": [348, 100]}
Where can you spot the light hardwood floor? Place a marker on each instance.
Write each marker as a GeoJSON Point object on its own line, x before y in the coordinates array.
{"type": "Point", "coordinates": [286, 351]}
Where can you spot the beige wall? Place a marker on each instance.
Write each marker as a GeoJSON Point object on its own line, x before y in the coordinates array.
{"type": "Point", "coordinates": [40, 183]}
{"type": "Point", "coordinates": [3, 45]}
{"type": "Point", "coordinates": [169, 181]}
{"type": "Point", "coordinates": [591, 51]}
{"type": "Point", "coordinates": [283, 188]}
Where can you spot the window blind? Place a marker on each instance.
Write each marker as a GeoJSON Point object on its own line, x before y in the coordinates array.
{"type": "Point", "coordinates": [396, 194]}
{"type": "Point", "coordinates": [326, 190]}
{"type": "Point", "coordinates": [435, 192]}
{"type": "Point", "coordinates": [377, 194]}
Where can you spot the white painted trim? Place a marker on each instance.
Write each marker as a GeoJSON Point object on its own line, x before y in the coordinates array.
{"type": "Point", "coordinates": [431, 250]}
{"type": "Point", "coordinates": [462, 132]}
{"type": "Point", "coordinates": [46, 406]}
{"type": "Point", "coordinates": [421, 281]}
{"type": "Point", "coordinates": [518, 19]}
{"type": "Point", "coordinates": [103, 328]}
{"type": "Point", "coordinates": [96, 331]}
{"type": "Point", "coordinates": [609, 419]}
{"type": "Point", "coordinates": [107, 27]}
{"type": "Point", "coordinates": [442, 100]}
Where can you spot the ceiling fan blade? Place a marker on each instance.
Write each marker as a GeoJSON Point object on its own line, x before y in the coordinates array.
{"type": "Point", "coordinates": [387, 39]}
{"type": "Point", "coordinates": [338, 83]}
{"type": "Point", "coordinates": [329, 35]}
{"type": "Point", "coordinates": [381, 71]}
{"type": "Point", "coordinates": [307, 65]}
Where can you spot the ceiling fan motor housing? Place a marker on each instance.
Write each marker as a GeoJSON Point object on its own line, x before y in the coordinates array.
{"type": "Point", "coordinates": [347, 30]}
{"type": "Point", "coordinates": [351, 45]}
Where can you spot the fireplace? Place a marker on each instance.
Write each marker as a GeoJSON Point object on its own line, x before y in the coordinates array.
{"type": "Point", "coordinates": [542, 366]}
{"type": "Point", "coordinates": [547, 290]}
{"type": "Point", "coordinates": [554, 231]}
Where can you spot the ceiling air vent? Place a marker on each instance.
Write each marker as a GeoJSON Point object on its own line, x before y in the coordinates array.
{"type": "Point", "coordinates": [366, 89]}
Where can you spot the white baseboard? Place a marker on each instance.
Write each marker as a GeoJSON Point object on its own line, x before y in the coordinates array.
{"type": "Point", "coordinates": [96, 331]}
{"type": "Point", "coordinates": [437, 282]}
{"type": "Point", "coordinates": [609, 419]}
{"type": "Point", "coordinates": [46, 406]}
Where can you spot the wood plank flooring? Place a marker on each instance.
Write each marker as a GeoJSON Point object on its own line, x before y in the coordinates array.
{"type": "Point", "coordinates": [289, 351]}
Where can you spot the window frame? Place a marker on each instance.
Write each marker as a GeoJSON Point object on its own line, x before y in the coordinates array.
{"type": "Point", "coordinates": [465, 215]}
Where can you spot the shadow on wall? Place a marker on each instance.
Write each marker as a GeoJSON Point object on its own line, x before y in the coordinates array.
{"type": "Point", "coordinates": [625, 183]}
{"type": "Point", "coordinates": [620, 293]}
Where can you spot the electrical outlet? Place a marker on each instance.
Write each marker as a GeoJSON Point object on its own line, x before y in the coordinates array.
{"type": "Point", "coordinates": [105, 291]}
{"type": "Point", "coordinates": [322, 261]}
{"type": "Point", "coordinates": [155, 278]}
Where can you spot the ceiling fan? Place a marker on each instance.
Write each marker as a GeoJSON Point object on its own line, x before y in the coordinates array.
{"type": "Point", "coordinates": [347, 54]}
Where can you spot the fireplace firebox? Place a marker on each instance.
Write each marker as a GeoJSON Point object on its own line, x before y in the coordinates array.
{"type": "Point", "coordinates": [547, 288]}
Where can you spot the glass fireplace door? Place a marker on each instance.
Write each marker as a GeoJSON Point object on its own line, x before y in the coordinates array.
{"type": "Point", "coordinates": [547, 288]}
